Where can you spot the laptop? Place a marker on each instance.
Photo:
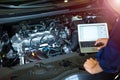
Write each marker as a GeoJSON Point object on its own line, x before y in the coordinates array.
{"type": "Point", "coordinates": [89, 33]}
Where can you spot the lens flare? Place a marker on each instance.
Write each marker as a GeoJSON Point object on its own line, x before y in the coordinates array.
{"type": "Point", "coordinates": [115, 5]}
{"type": "Point", "coordinates": [117, 1]}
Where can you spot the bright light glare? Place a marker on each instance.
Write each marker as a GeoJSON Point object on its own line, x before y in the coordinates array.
{"type": "Point", "coordinates": [117, 1]}
{"type": "Point", "coordinates": [115, 4]}
{"type": "Point", "coordinates": [65, 1]}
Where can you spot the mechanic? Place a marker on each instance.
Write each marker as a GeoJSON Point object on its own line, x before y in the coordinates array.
{"type": "Point", "coordinates": [107, 61]}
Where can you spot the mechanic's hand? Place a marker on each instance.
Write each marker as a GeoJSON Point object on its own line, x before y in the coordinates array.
{"type": "Point", "coordinates": [92, 66]}
{"type": "Point", "coordinates": [103, 41]}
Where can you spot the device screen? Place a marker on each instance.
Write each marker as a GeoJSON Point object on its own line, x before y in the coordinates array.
{"type": "Point", "coordinates": [91, 32]}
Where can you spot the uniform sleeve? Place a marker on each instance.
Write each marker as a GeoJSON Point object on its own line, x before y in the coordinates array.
{"type": "Point", "coordinates": [109, 56]}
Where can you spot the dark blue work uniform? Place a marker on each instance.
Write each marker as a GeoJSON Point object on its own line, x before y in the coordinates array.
{"type": "Point", "coordinates": [109, 56]}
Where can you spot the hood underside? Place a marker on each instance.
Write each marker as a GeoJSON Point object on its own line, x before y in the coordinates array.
{"type": "Point", "coordinates": [8, 7]}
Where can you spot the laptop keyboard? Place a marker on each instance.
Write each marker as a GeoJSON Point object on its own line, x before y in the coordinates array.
{"type": "Point", "coordinates": [88, 44]}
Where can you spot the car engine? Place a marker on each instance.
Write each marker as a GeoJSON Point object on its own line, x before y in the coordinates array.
{"type": "Point", "coordinates": [37, 41]}
{"type": "Point", "coordinates": [40, 41]}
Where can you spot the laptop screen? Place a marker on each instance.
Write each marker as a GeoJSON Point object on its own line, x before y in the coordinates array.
{"type": "Point", "coordinates": [91, 32]}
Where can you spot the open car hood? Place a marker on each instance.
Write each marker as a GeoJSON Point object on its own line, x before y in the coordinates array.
{"type": "Point", "coordinates": [9, 7]}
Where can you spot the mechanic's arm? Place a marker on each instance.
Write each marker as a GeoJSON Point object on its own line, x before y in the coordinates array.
{"type": "Point", "coordinates": [91, 65]}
